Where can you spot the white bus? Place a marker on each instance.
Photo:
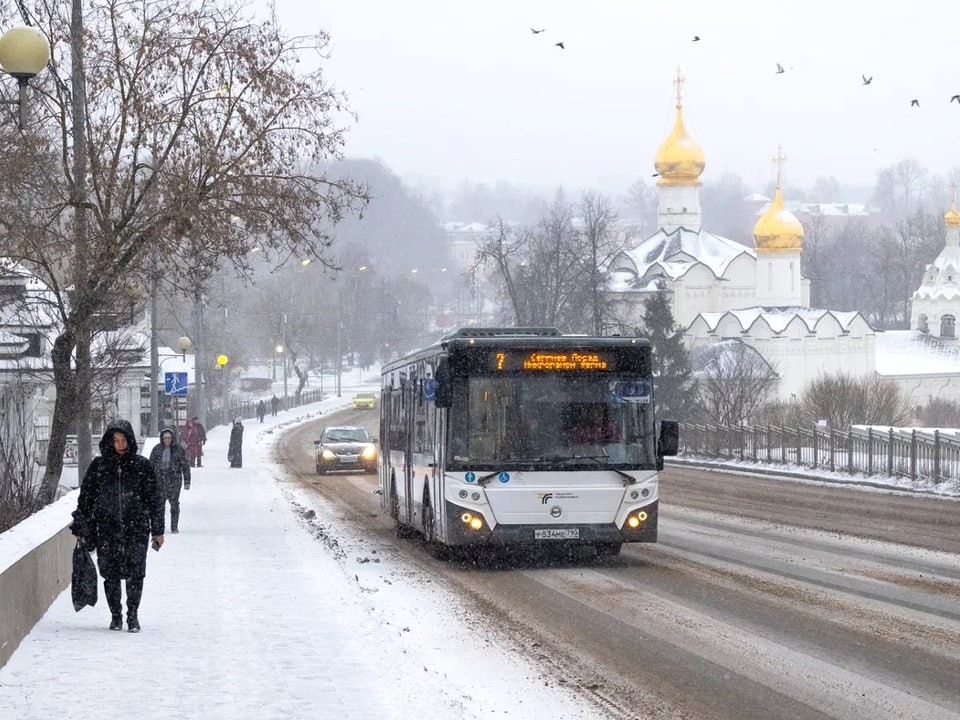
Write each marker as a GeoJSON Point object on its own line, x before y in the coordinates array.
{"type": "Point", "coordinates": [523, 436]}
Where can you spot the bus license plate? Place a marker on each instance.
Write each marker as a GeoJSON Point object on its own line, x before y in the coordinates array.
{"type": "Point", "coordinates": [557, 534]}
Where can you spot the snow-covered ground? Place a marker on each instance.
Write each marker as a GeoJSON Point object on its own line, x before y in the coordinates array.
{"type": "Point", "coordinates": [260, 608]}
{"type": "Point", "coordinates": [267, 606]}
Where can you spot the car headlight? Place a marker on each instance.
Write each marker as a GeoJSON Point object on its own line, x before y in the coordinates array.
{"type": "Point", "coordinates": [369, 452]}
{"type": "Point", "coordinates": [328, 455]}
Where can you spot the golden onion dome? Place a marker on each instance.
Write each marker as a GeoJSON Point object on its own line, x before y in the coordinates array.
{"type": "Point", "coordinates": [952, 218]}
{"type": "Point", "coordinates": [679, 160]}
{"type": "Point", "coordinates": [778, 229]}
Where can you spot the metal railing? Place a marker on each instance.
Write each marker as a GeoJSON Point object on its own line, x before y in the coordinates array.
{"type": "Point", "coordinates": [248, 408]}
{"type": "Point", "coordinates": [896, 452]}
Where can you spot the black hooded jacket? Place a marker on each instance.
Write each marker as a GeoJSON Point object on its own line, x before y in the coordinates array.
{"type": "Point", "coordinates": [120, 506]}
{"type": "Point", "coordinates": [179, 468]}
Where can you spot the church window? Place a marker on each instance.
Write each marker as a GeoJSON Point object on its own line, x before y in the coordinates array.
{"type": "Point", "coordinates": [791, 277]}
{"type": "Point", "coordinates": [923, 326]}
{"type": "Point", "coordinates": [769, 276]}
{"type": "Point", "coordinates": [948, 326]}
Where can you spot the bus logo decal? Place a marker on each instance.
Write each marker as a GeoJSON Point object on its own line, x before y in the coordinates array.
{"type": "Point", "coordinates": [556, 511]}
{"type": "Point", "coordinates": [544, 497]}
{"type": "Point", "coordinates": [504, 477]}
{"type": "Point", "coordinates": [470, 476]}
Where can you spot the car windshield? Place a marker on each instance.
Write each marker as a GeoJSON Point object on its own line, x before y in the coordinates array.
{"type": "Point", "coordinates": [335, 435]}
{"type": "Point", "coordinates": [364, 396]}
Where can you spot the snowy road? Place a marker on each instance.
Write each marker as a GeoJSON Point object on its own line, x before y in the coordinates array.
{"type": "Point", "coordinates": [726, 617]}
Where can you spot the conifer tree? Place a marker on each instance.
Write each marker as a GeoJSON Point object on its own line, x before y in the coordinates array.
{"type": "Point", "coordinates": [675, 390]}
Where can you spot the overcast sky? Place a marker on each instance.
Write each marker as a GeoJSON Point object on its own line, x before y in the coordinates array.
{"type": "Point", "coordinates": [451, 90]}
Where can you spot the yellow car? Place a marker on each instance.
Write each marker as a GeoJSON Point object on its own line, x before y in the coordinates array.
{"type": "Point", "coordinates": [365, 400]}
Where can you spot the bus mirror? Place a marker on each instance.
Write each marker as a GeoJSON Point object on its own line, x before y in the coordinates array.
{"type": "Point", "coordinates": [442, 395]}
{"type": "Point", "coordinates": [669, 438]}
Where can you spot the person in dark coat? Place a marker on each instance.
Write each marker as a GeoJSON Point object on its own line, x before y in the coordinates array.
{"type": "Point", "coordinates": [119, 508]}
{"type": "Point", "coordinates": [235, 449]}
{"type": "Point", "coordinates": [201, 436]}
{"type": "Point", "coordinates": [172, 469]}
{"type": "Point", "coordinates": [274, 404]}
{"type": "Point", "coordinates": [261, 410]}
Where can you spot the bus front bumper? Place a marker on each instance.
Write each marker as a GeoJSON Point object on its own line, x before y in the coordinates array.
{"type": "Point", "coordinates": [460, 531]}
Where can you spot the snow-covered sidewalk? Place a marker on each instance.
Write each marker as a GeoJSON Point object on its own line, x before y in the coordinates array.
{"type": "Point", "coordinates": [246, 614]}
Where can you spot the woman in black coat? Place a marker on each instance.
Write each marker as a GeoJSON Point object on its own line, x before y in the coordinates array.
{"type": "Point", "coordinates": [119, 508]}
{"type": "Point", "coordinates": [172, 469]}
{"type": "Point", "coordinates": [235, 449]}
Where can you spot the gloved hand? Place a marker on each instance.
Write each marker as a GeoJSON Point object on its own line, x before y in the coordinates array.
{"type": "Point", "coordinates": [186, 486]}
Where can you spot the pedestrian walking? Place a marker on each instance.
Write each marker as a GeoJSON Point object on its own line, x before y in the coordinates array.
{"type": "Point", "coordinates": [274, 403]}
{"type": "Point", "coordinates": [261, 410]}
{"type": "Point", "coordinates": [120, 506]}
{"type": "Point", "coordinates": [235, 449]}
{"type": "Point", "coordinates": [190, 439]}
{"type": "Point", "coordinates": [201, 435]}
{"type": "Point", "coordinates": [170, 465]}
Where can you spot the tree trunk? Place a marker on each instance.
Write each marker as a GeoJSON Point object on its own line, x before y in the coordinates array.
{"type": "Point", "coordinates": [64, 381]}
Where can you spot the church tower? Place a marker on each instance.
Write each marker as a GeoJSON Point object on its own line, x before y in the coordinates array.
{"type": "Point", "coordinates": [937, 302]}
{"type": "Point", "coordinates": [779, 242]}
{"type": "Point", "coordinates": [679, 162]}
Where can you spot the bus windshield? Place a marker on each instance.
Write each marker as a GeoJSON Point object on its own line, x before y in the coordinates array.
{"type": "Point", "coordinates": [544, 421]}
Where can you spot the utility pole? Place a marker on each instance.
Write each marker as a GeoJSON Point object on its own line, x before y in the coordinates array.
{"type": "Point", "coordinates": [154, 426]}
{"type": "Point", "coordinates": [79, 138]}
{"type": "Point", "coordinates": [199, 376]}
{"type": "Point", "coordinates": [285, 354]}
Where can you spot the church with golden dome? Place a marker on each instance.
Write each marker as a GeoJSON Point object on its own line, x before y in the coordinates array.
{"type": "Point", "coordinates": [722, 291]}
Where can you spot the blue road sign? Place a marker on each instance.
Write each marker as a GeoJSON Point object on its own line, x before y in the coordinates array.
{"type": "Point", "coordinates": [175, 383]}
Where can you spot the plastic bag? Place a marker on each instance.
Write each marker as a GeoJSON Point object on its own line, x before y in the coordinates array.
{"type": "Point", "coordinates": [83, 584]}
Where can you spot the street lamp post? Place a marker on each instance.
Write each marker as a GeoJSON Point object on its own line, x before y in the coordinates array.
{"type": "Point", "coordinates": [222, 361]}
{"type": "Point", "coordinates": [280, 349]}
{"type": "Point", "coordinates": [24, 52]}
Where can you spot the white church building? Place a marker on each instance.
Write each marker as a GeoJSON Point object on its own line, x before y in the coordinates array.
{"type": "Point", "coordinates": [722, 290]}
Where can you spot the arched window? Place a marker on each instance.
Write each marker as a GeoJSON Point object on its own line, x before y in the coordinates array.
{"type": "Point", "coordinates": [792, 283]}
{"type": "Point", "coordinates": [948, 326]}
{"type": "Point", "coordinates": [770, 276]}
{"type": "Point", "coordinates": [923, 324]}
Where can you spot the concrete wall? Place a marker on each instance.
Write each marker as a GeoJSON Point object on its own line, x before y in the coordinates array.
{"type": "Point", "coordinates": [36, 563]}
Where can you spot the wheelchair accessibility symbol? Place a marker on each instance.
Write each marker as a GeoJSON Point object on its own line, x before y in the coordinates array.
{"type": "Point", "coordinates": [504, 477]}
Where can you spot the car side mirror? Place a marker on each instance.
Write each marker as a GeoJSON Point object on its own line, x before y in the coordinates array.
{"type": "Point", "coordinates": [374, 440]}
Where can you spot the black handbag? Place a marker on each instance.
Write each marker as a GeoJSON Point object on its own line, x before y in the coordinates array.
{"type": "Point", "coordinates": [83, 584]}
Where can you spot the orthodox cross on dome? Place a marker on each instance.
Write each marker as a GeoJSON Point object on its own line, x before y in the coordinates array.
{"type": "Point", "coordinates": [678, 84]}
{"type": "Point", "coordinates": [779, 160]}
{"type": "Point", "coordinates": [953, 192]}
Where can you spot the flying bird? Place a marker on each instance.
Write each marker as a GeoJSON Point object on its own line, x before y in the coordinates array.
{"type": "Point", "coordinates": [537, 32]}
{"type": "Point", "coordinates": [696, 38]}
{"type": "Point", "coordinates": [867, 80]}
{"type": "Point", "coordinates": [955, 97]}
{"type": "Point", "coordinates": [914, 103]}
{"type": "Point", "coordinates": [559, 45]}
{"type": "Point", "coordinates": [779, 69]}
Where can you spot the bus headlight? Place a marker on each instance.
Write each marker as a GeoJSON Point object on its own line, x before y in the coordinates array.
{"type": "Point", "coordinates": [635, 520]}
{"type": "Point", "coordinates": [474, 522]}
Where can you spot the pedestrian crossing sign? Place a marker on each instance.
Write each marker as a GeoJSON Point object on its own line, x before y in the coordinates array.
{"type": "Point", "coordinates": [175, 383]}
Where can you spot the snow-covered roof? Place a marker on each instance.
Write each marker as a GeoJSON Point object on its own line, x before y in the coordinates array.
{"type": "Point", "coordinates": [672, 255]}
{"type": "Point", "coordinates": [779, 318]}
{"type": "Point", "coordinates": [911, 352]}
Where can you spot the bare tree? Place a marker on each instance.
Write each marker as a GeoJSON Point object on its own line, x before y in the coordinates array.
{"type": "Point", "coordinates": [598, 242]}
{"type": "Point", "coordinates": [205, 137]}
{"type": "Point", "coordinates": [843, 400]}
{"type": "Point", "coordinates": [734, 381]}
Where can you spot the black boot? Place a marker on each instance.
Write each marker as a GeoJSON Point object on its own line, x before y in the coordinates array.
{"type": "Point", "coordinates": [111, 588]}
{"type": "Point", "coordinates": [174, 520]}
{"type": "Point", "coordinates": [134, 591]}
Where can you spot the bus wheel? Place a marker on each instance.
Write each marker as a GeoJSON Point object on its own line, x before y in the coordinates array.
{"type": "Point", "coordinates": [608, 549]}
{"type": "Point", "coordinates": [436, 549]}
{"type": "Point", "coordinates": [404, 532]}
